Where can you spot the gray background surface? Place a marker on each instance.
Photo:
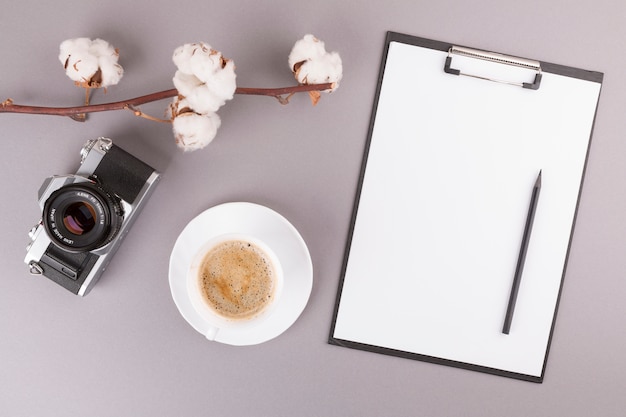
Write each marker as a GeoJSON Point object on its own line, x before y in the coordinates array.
{"type": "Point", "coordinates": [124, 350]}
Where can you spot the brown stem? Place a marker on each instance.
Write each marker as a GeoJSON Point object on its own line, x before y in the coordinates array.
{"type": "Point", "coordinates": [9, 107]}
{"type": "Point", "coordinates": [139, 113]}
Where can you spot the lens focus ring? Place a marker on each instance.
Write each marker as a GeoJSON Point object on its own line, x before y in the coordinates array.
{"type": "Point", "coordinates": [82, 217]}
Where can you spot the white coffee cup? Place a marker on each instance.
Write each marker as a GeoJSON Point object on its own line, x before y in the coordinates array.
{"type": "Point", "coordinates": [215, 319]}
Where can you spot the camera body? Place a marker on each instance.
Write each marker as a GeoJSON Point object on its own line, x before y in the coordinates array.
{"type": "Point", "coordinates": [86, 216]}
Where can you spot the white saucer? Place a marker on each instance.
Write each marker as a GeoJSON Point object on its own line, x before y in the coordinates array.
{"type": "Point", "coordinates": [277, 233]}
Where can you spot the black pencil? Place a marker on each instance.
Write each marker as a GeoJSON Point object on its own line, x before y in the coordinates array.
{"type": "Point", "coordinates": [522, 255]}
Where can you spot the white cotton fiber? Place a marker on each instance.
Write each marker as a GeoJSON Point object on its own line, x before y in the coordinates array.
{"type": "Point", "coordinates": [112, 72]}
{"type": "Point", "coordinates": [69, 46]}
{"type": "Point", "coordinates": [199, 96]}
{"type": "Point", "coordinates": [223, 81]}
{"type": "Point", "coordinates": [204, 63]}
{"type": "Point", "coordinates": [325, 69]}
{"type": "Point", "coordinates": [185, 83]}
{"type": "Point", "coordinates": [182, 55]}
{"type": "Point", "coordinates": [204, 81]}
{"type": "Point", "coordinates": [81, 67]}
{"type": "Point", "coordinates": [311, 64]}
{"type": "Point", "coordinates": [204, 77]}
{"type": "Point", "coordinates": [306, 49]}
{"type": "Point", "coordinates": [194, 131]}
{"type": "Point", "coordinates": [90, 63]}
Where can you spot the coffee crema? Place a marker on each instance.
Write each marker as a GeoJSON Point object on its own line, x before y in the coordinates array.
{"type": "Point", "coordinates": [237, 279]}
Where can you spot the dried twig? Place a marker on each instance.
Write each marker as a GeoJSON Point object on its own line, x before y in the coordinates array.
{"type": "Point", "coordinates": [78, 112]}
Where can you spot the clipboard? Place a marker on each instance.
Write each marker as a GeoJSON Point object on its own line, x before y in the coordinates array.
{"type": "Point", "coordinates": [456, 141]}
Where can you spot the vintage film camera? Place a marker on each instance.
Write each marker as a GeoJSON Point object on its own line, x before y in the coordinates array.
{"type": "Point", "coordinates": [86, 216]}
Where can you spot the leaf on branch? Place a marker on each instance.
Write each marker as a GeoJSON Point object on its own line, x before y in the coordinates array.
{"type": "Point", "coordinates": [78, 117]}
{"type": "Point", "coordinates": [315, 97]}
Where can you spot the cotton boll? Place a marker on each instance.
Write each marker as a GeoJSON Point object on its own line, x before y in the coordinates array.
{"type": "Point", "coordinates": [198, 59]}
{"type": "Point", "coordinates": [108, 56]}
{"type": "Point", "coordinates": [204, 63]}
{"type": "Point", "coordinates": [311, 64]}
{"type": "Point", "coordinates": [193, 131]}
{"type": "Point", "coordinates": [70, 46]}
{"type": "Point", "coordinates": [223, 82]}
{"type": "Point", "coordinates": [179, 105]}
{"type": "Point", "coordinates": [81, 67]}
{"type": "Point", "coordinates": [204, 77]}
{"type": "Point", "coordinates": [334, 66]}
{"type": "Point", "coordinates": [111, 73]}
{"type": "Point", "coordinates": [199, 96]}
{"type": "Point", "coordinates": [326, 69]}
{"type": "Point", "coordinates": [99, 47]}
{"type": "Point", "coordinates": [208, 66]}
{"type": "Point", "coordinates": [90, 63]}
{"type": "Point", "coordinates": [185, 83]}
{"type": "Point", "coordinates": [182, 55]}
{"type": "Point", "coordinates": [203, 100]}
{"type": "Point", "coordinates": [307, 48]}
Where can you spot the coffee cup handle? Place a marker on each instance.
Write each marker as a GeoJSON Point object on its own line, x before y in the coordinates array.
{"type": "Point", "coordinates": [211, 332]}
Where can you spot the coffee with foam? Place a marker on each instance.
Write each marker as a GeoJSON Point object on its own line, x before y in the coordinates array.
{"type": "Point", "coordinates": [237, 279]}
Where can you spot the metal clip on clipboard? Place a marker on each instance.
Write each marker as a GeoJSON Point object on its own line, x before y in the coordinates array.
{"type": "Point", "coordinates": [497, 58]}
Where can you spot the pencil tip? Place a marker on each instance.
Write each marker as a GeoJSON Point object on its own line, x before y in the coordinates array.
{"type": "Point", "coordinates": [538, 182]}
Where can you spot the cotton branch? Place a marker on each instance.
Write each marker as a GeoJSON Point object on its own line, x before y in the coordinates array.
{"type": "Point", "coordinates": [204, 81]}
{"type": "Point", "coordinates": [8, 106]}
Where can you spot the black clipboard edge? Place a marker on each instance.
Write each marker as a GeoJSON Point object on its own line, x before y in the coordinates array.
{"type": "Point", "coordinates": [548, 67]}
{"type": "Point", "coordinates": [357, 197]}
{"type": "Point", "coordinates": [435, 360]}
{"type": "Point", "coordinates": [572, 72]}
{"type": "Point", "coordinates": [598, 77]}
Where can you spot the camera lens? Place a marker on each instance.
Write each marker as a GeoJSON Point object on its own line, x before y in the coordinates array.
{"type": "Point", "coordinates": [79, 218]}
{"type": "Point", "coordinates": [82, 217]}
